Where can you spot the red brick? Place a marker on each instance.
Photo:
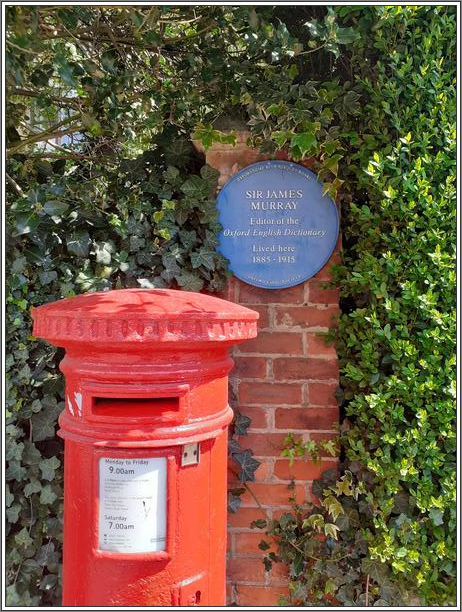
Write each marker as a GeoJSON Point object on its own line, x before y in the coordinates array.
{"type": "Point", "coordinates": [321, 295]}
{"type": "Point", "coordinates": [263, 311]}
{"type": "Point", "coordinates": [273, 494]}
{"type": "Point", "coordinates": [274, 342]}
{"type": "Point", "coordinates": [246, 570]}
{"type": "Point", "coordinates": [264, 444]}
{"type": "Point", "coordinates": [255, 295]}
{"type": "Point", "coordinates": [306, 418]}
{"type": "Point", "coordinates": [302, 469]}
{"type": "Point", "coordinates": [250, 367]}
{"type": "Point", "coordinates": [254, 596]}
{"type": "Point", "coordinates": [258, 416]}
{"type": "Point", "coordinates": [278, 512]}
{"type": "Point", "coordinates": [229, 593]}
{"type": "Point", "coordinates": [279, 573]}
{"type": "Point", "coordinates": [325, 273]}
{"type": "Point", "coordinates": [247, 543]}
{"type": "Point", "coordinates": [306, 316]}
{"type": "Point", "coordinates": [270, 393]}
{"type": "Point", "coordinates": [227, 293]}
{"type": "Point", "coordinates": [232, 472]}
{"type": "Point", "coordinates": [317, 345]}
{"type": "Point", "coordinates": [322, 394]}
{"type": "Point", "coordinates": [264, 471]}
{"type": "Point", "coordinates": [302, 368]}
{"type": "Point", "coordinates": [244, 516]}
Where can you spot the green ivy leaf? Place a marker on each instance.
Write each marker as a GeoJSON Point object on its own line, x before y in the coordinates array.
{"type": "Point", "coordinates": [23, 538]}
{"type": "Point", "coordinates": [14, 451]}
{"type": "Point", "coordinates": [189, 282]}
{"type": "Point", "coordinates": [305, 143]}
{"type": "Point", "coordinates": [103, 252]}
{"type": "Point", "coordinates": [346, 36]}
{"type": "Point", "coordinates": [331, 530]}
{"type": "Point", "coordinates": [31, 455]}
{"type": "Point", "coordinates": [188, 238]}
{"type": "Point", "coordinates": [171, 174]}
{"type": "Point", "coordinates": [298, 565]}
{"type": "Point", "coordinates": [47, 496]}
{"type": "Point", "coordinates": [26, 223]}
{"type": "Point", "coordinates": [210, 175]}
{"type": "Point", "coordinates": [314, 521]}
{"type": "Point", "coordinates": [79, 243]}
{"type": "Point", "coordinates": [333, 506]}
{"type": "Point", "coordinates": [330, 586]}
{"type": "Point", "coordinates": [233, 502]}
{"type": "Point", "coordinates": [48, 468]}
{"type": "Point", "coordinates": [42, 428]}
{"type": "Point", "coordinates": [196, 188]}
{"type": "Point", "coordinates": [248, 465]}
{"type": "Point", "coordinates": [267, 563]}
{"type": "Point", "coordinates": [258, 524]}
{"type": "Point", "coordinates": [263, 545]}
{"type": "Point", "coordinates": [48, 582]}
{"type": "Point", "coordinates": [55, 208]}
{"type": "Point", "coordinates": [12, 514]}
{"type": "Point", "coordinates": [15, 471]}
{"type": "Point", "coordinates": [9, 497]}
{"type": "Point", "coordinates": [241, 423]}
{"type": "Point", "coordinates": [48, 277]}
{"type": "Point", "coordinates": [33, 486]}
{"type": "Point", "coordinates": [376, 570]}
{"type": "Point", "coordinates": [203, 257]}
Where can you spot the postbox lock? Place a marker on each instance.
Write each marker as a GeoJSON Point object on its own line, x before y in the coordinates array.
{"type": "Point", "coordinates": [190, 454]}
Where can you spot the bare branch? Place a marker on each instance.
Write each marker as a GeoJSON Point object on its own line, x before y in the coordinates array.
{"type": "Point", "coordinates": [14, 184]}
{"type": "Point", "coordinates": [42, 137]}
{"type": "Point", "coordinates": [17, 91]}
{"type": "Point", "coordinates": [8, 42]}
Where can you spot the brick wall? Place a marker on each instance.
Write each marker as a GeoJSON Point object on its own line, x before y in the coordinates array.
{"type": "Point", "coordinates": [284, 380]}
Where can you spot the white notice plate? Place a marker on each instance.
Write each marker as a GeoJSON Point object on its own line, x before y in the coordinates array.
{"type": "Point", "coordinates": [132, 504]}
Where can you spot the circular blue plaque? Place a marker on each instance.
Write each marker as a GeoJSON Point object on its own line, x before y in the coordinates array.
{"type": "Point", "coordinates": [278, 228]}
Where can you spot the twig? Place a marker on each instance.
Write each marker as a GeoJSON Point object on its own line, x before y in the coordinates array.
{"type": "Point", "coordinates": [367, 590]}
{"type": "Point", "coordinates": [127, 41]}
{"type": "Point", "coordinates": [17, 573]}
{"type": "Point", "coordinates": [251, 493]}
{"type": "Point", "coordinates": [246, 486]}
{"type": "Point", "coordinates": [43, 137]}
{"type": "Point", "coordinates": [311, 50]}
{"type": "Point", "coordinates": [31, 515]}
{"type": "Point", "coordinates": [74, 156]}
{"type": "Point", "coordinates": [14, 184]}
{"type": "Point", "coordinates": [17, 91]}
{"type": "Point", "coordinates": [8, 42]}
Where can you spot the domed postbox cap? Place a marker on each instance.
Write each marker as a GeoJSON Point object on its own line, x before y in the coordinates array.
{"type": "Point", "coordinates": [130, 316]}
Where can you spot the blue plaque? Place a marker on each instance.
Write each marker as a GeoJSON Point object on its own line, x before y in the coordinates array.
{"type": "Point", "coordinates": [278, 228]}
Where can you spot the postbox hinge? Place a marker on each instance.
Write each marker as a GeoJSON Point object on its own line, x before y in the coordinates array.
{"type": "Point", "coordinates": [190, 454]}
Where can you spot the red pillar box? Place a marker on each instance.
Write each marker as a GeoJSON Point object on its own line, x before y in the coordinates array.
{"type": "Point", "coordinates": [145, 429]}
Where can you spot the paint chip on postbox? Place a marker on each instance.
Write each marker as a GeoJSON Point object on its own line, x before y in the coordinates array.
{"type": "Point", "coordinates": [132, 504]}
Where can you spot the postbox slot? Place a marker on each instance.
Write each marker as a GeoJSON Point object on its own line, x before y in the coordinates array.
{"type": "Point", "coordinates": [134, 406]}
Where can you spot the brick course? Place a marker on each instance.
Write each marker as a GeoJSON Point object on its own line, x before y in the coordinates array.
{"type": "Point", "coordinates": [284, 380]}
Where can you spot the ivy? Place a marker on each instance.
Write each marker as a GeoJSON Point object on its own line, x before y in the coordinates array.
{"type": "Point", "coordinates": [105, 190]}
{"type": "Point", "coordinates": [392, 504]}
